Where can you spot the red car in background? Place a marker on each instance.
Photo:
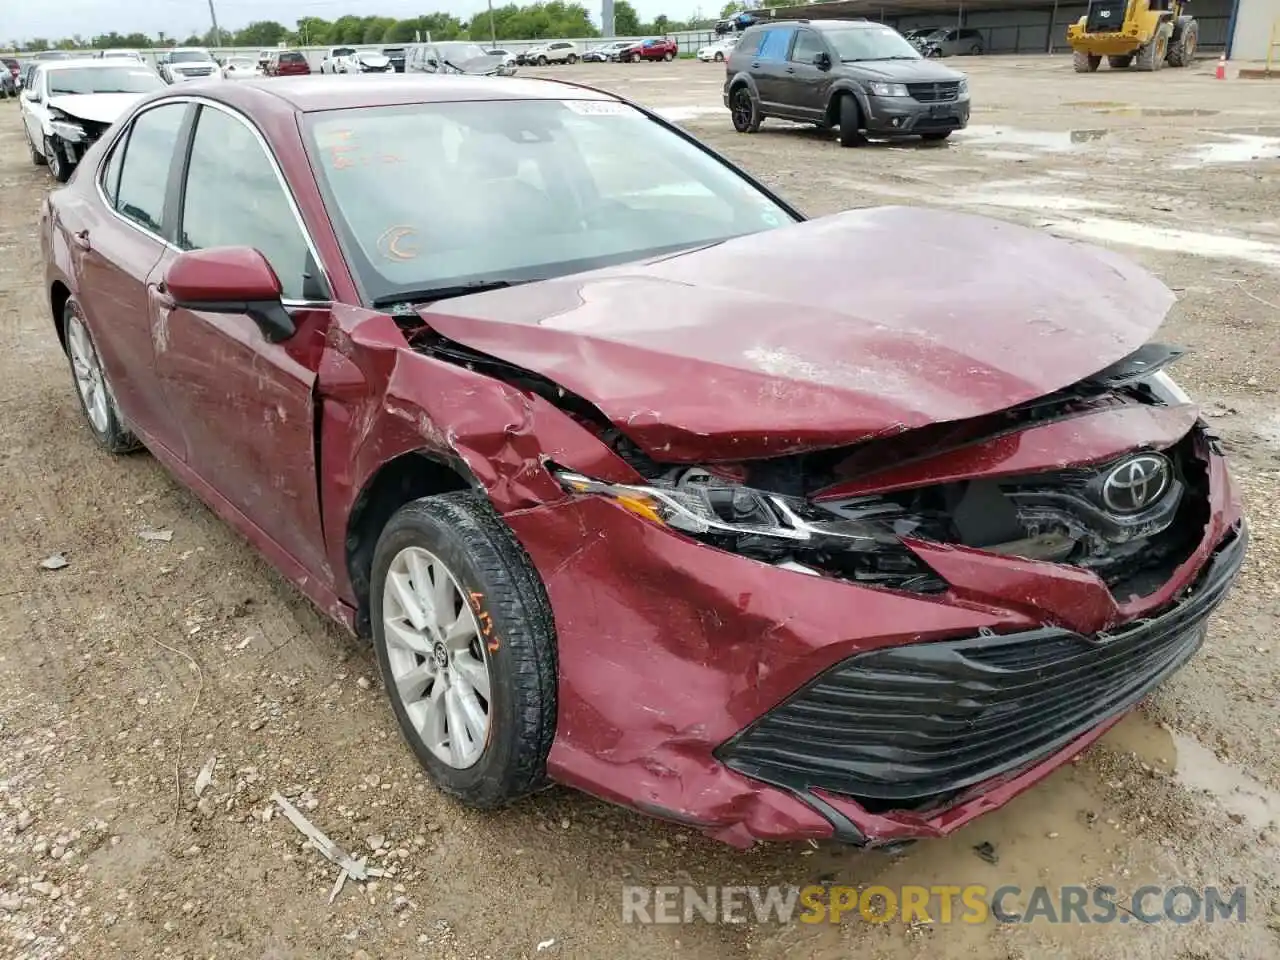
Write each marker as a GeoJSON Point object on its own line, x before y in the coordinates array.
{"type": "Point", "coordinates": [12, 74]}
{"type": "Point", "coordinates": [654, 49]}
{"type": "Point", "coordinates": [287, 63]}
{"type": "Point", "coordinates": [803, 555]}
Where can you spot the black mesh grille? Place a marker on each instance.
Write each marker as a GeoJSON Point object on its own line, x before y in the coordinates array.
{"type": "Point", "coordinates": [934, 92]}
{"type": "Point", "coordinates": [907, 725]}
{"type": "Point", "coordinates": [1105, 16]}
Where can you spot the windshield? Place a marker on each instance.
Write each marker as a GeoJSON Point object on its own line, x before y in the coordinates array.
{"type": "Point", "coordinates": [871, 43]}
{"type": "Point", "coordinates": [189, 56]}
{"type": "Point", "coordinates": [102, 80]}
{"type": "Point", "coordinates": [430, 196]}
{"type": "Point", "coordinates": [457, 52]}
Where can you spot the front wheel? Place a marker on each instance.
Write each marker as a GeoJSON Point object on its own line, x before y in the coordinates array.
{"type": "Point", "coordinates": [97, 401]}
{"type": "Point", "coordinates": [542, 61]}
{"type": "Point", "coordinates": [744, 110]}
{"type": "Point", "coordinates": [719, 57]}
{"type": "Point", "coordinates": [850, 123]}
{"type": "Point", "coordinates": [58, 164]}
{"type": "Point", "coordinates": [668, 56]}
{"type": "Point", "coordinates": [975, 50]}
{"type": "Point", "coordinates": [466, 647]}
{"type": "Point", "coordinates": [573, 58]}
{"type": "Point", "coordinates": [1083, 62]}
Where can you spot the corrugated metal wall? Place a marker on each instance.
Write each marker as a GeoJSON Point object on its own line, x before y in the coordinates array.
{"type": "Point", "coordinates": [1253, 29]}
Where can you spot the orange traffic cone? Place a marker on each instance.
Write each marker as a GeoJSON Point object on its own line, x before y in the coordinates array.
{"type": "Point", "coordinates": [1221, 72]}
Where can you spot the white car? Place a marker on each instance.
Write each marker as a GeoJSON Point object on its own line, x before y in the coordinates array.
{"type": "Point", "coordinates": [508, 58]}
{"type": "Point", "coordinates": [241, 68]}
{"type": "Point", "coordinates": [71, 103]}
{"type": "Point", "coordinates": [561, 51]}
{"type": "Point", "coordinates": [718, 51]}
{"type": "Point", "coordinates": [189, 63]}
{"type": "Point", "coordinates": [351, 60]}
{"type": "Point", "coordinates": [120, 53]}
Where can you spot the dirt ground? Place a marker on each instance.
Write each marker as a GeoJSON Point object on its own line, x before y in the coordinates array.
{"type": "Point", "coordinates": [140, 660]}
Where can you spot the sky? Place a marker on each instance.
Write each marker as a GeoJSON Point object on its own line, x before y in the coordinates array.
{"type": "Point", "coordinates": [21, 20]}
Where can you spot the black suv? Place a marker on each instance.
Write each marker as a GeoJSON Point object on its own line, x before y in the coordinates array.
{"type": "Point", "coordinates": [860, 76]}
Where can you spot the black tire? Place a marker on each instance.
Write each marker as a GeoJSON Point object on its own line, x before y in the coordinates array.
{"type": "Point", "coordinates": [975, 50]}
{"type": "Point", "coordinates": [1182, 50]}
{"type": "Point", "coordinates": [36, 157]}
{"type": "Point", "coordinates": [850, 122]}
{"type": "Point", "coordinates": [935, 135]}
{"type": "Point", "coordinates": [635, 58]}
{"type": "Point", "coordinates": [462, 530]}
{"type": "Point", "coordinates": [1083, 62]}
{"type": "Point", "coordinates": [744, 110]}
{"type": "Point", "coordinates": [542, 61]}
{"type": "Point", "coordinates": [668, 56]}
{"type": "Point", "coordinates": [573, 58]}
{"type": "Point", "coordinates": [719, 57]}
{"type": "Point", "coordinates": [1151, 55]}
{"type": "Point", "coordinates": [116, 437]}
{"type": "Point", "coordinates": [1120, 62]}
{"type": "Point", "coordinates": [58, 165]}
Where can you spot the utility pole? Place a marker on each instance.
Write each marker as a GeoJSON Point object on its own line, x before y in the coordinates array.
{"type": "Point", "coordinates": [493, 33]}
{"type": "Point", "coordinates": [217, 34]}
{"type": "Point", "coordinates": [606, 18]}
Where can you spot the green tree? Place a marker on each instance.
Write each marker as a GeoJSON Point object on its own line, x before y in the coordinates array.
{"type": "Point", "coordinates": [347, 29]}
{"type": "Point", "coordinates": [261, 33]}
{"type": "Point", "coordinates": [626, 22]}
{"type": "Point", "coordinates": [313, 31]}
{"type": "Point", "coordinates": [375, 28]}
{"type": "Point", "coordinates": [661, 24]}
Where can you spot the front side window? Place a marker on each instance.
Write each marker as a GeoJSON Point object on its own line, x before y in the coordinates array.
{"type": "Point", "coordinates": [433, 195]}
{"type": "Point", "coordinates": [144, 174]}
{"type": "Point", "coordinates": [233, 197]}
{"type": "Point", "coordinates": [807, 46]}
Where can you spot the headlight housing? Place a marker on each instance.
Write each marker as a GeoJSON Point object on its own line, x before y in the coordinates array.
{"type": "Point", "coordinates": [964, 84]}
{"type": "Point", "coordinates": [889, 89]}
{"type": "Point", "coordinates": [66, 127]}
{"type": "Point", "coordinates": [856, 540]}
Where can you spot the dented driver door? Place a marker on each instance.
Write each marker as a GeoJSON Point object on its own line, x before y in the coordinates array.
{"type": "Point", "coordinates": [246, 405]}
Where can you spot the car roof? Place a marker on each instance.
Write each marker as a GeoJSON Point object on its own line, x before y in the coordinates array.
{"type": "Point", "coordinates": [95, 63]}
{"type": "Point", "coordinates": [330, 92]}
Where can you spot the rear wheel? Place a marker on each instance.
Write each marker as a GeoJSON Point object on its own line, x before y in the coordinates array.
{"type": "Point", "coordinates": [635, 58]}
{"type": "Point", "coordinates": [1083, 62]}
{"type": "Point", "coordinates": [850, 123]}
{"type": "Point", "coordinates": [744, 110]}
{"type": "Point", "coordinates": [466, 646]}
{"type": "Point", "coordinates": [97, 402]}
{"type": "Point", "coordinates": [668, 56]}
{"type": "Point", "coordinates": [1120, 62]}
{"type": "Point", "coordinates": [719, 57]}
{"type": "Point", "coordinates": [1182, 51]}
{"type": "Point", "coordinates": [975, 50]}
{"type": "Point", "coordinates": [573, 58]}
{"type": "Point", "coordinates": [542, 61]}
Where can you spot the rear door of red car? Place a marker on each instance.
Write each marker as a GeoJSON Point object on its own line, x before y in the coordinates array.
{"type": "Point", "coordinates": [117, 241]}
{"type": "Point", "coordinates": [246, 405]}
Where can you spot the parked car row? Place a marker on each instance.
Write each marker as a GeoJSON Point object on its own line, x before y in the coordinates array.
{"type": "Point", "coordinates": [615, 51]}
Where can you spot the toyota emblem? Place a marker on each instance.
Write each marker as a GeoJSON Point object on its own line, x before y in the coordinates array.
{"type": "Point", "coordinates": [1136, 483]}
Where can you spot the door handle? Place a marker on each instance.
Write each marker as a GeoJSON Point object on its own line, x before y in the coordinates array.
{"type": "Point", "coordinates": [81, 239]}
{"type": "Point", "coordinates": [755, 64]}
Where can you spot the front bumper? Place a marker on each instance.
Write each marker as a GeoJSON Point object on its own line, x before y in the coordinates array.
{"type": "Point", "coordinates": [889, 116]}
{"type": "Point", "coordinates": [679, 664]}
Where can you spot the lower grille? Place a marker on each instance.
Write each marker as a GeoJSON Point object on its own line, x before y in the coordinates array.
{"type": "Point", "coordinates": [1105, 16]}
{"type": "Point", "coordinates": [934, 92]}
{"type": "Point", "coordinates": [911, 725]}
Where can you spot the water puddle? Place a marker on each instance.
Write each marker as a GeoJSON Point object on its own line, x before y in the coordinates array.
{"type": "Point", "coordinates": [1236, 792]}
{"type": "Point", "coordinates": [1237, 148]}
{"type": "Point", "coordinates": [1044, 141]}
{"type": "Point", "coordinates": [1218, 246]}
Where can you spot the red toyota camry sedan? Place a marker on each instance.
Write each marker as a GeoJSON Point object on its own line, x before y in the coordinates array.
{"type": "Point", "coordinates": [638, 480]}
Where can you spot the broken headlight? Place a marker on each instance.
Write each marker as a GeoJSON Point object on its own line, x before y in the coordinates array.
{"type": "Point", "coordinates": [855, 544]}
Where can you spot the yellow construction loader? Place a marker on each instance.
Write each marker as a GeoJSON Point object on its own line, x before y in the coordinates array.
{"type": "Point", "coordinates": [1144, 34]}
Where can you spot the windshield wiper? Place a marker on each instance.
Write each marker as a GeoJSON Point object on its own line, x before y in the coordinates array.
{"type": "Point", "coordinates": [445, 293]}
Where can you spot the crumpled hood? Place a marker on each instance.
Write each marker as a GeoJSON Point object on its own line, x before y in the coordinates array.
{"type": "Point", "coordinates": [95, 107]}
{"type": "Point", "coordinates": [823, 333]}
{"type": "Point", "coordinates": [373, 59]}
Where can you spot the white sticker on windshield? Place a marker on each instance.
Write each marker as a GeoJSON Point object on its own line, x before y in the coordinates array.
{"type": "Point", "coordinates": [600, 108]}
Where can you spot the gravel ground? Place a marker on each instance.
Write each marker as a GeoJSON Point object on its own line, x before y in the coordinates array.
{"type": "Point", "coordinates": [124, 672]}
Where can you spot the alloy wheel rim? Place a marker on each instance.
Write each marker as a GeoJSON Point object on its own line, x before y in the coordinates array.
{"type": "Point", "coordinates": [90, 381]}
{"type": "Point", "coordinates": [55, 161]}
{"type": "Point", "coordinates": [438, 661]}
{"type": "Point", "coordinates": [742, 109]}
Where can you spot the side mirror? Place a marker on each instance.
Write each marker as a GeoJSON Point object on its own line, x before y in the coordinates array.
{"type": "Point", "coordinates": [231, 280]}
{"type": "Point", "coordinates": [822, 60]}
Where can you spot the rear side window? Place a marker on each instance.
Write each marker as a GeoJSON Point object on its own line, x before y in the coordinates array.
{"type": "Point", "coordinates": [775, 44]}
{"type": "Point", "coordinates": [144, 173]}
